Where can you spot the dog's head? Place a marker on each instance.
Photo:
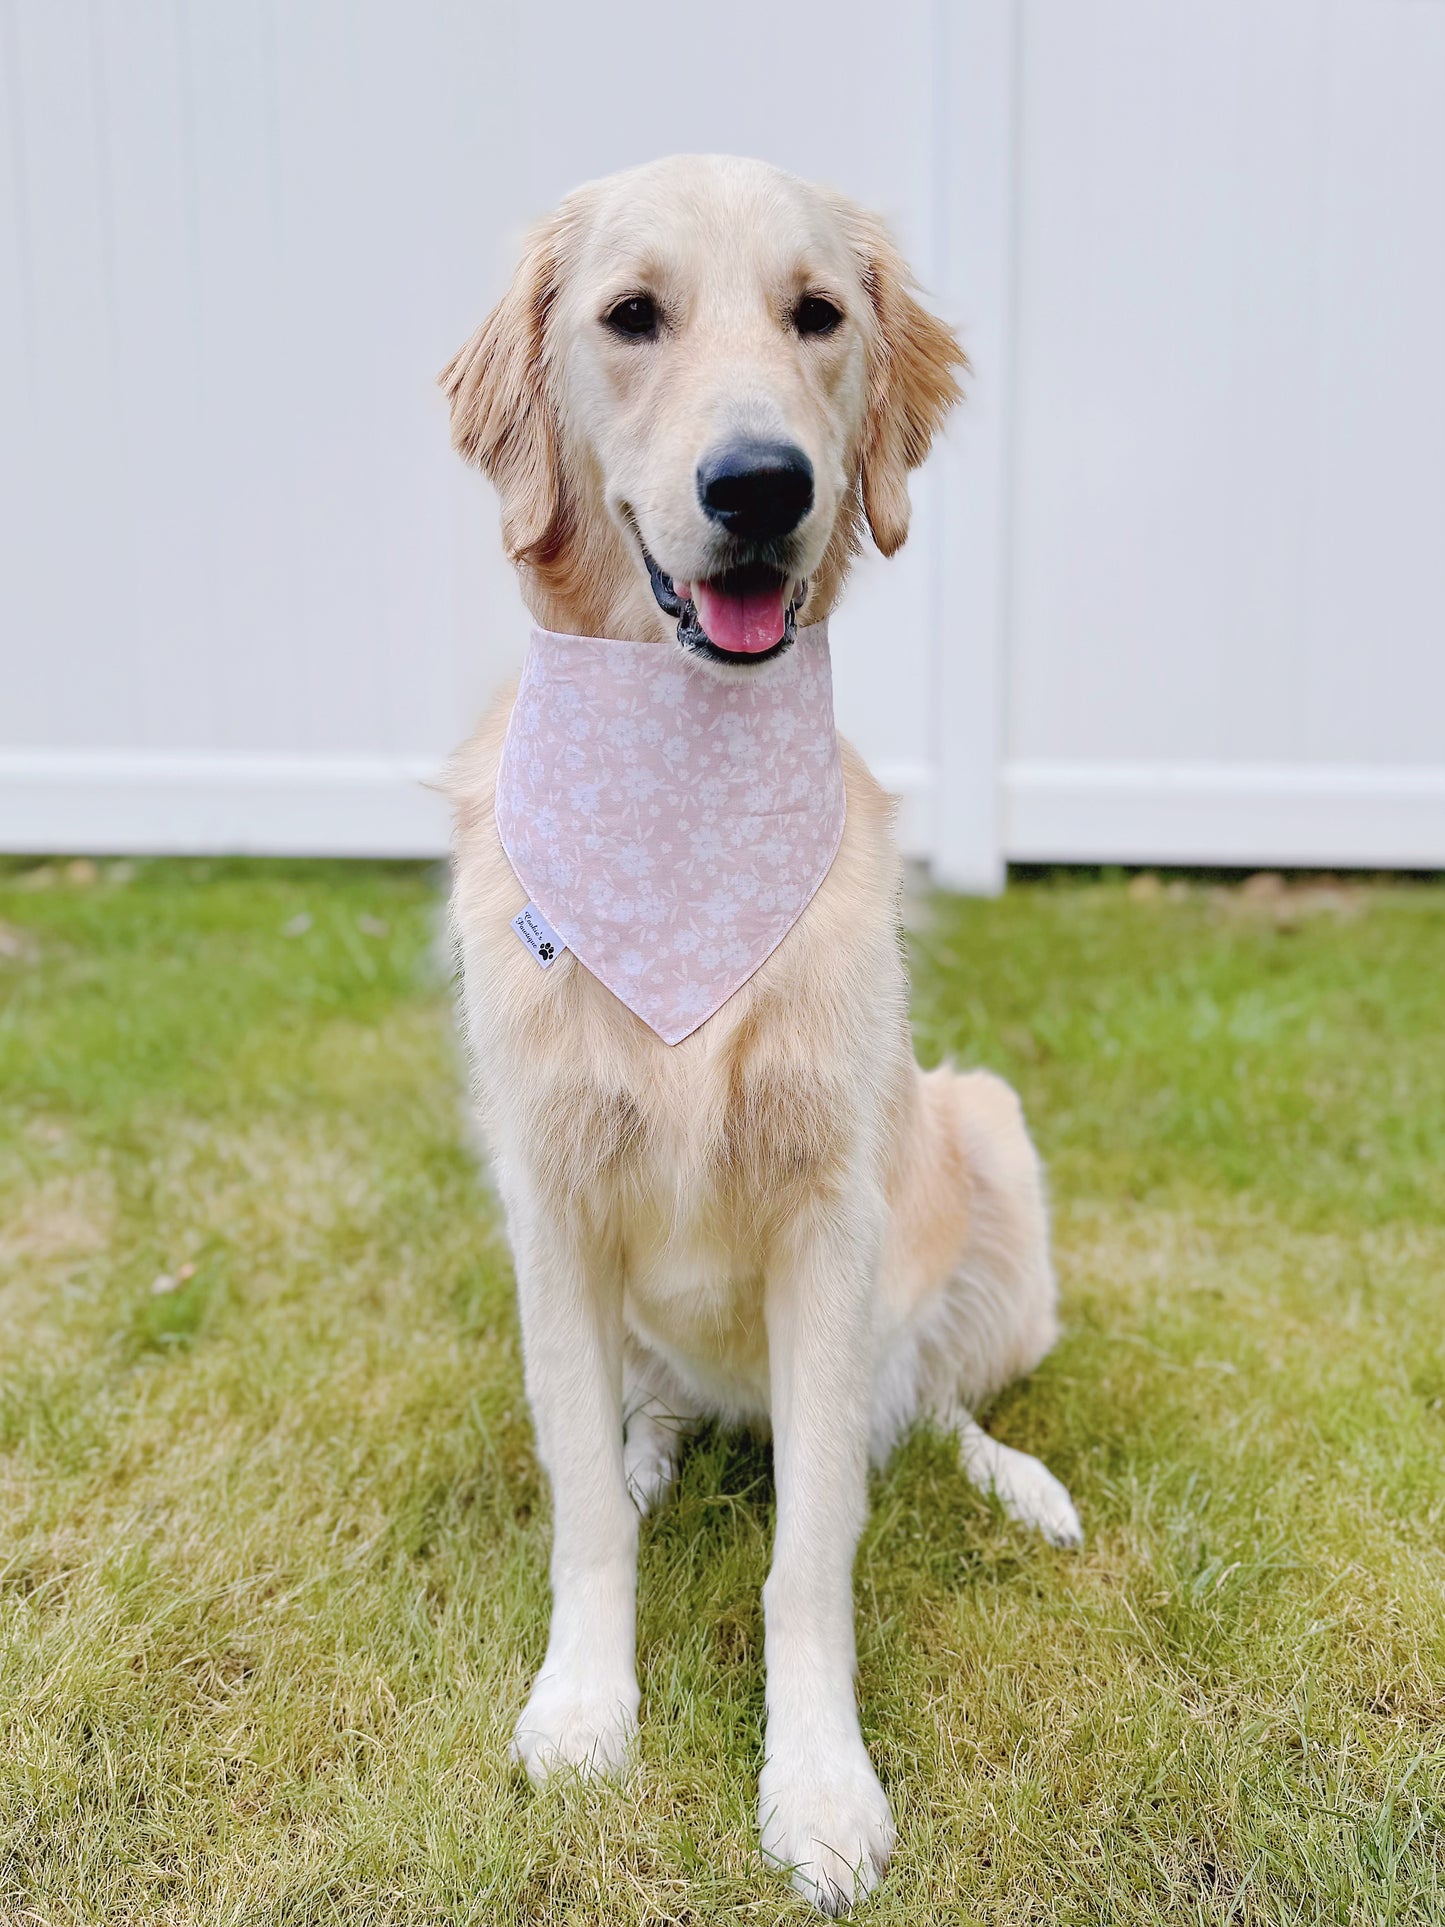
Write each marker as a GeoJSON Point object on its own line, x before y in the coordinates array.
{"type": "Point", "coordinates": [705, 371]}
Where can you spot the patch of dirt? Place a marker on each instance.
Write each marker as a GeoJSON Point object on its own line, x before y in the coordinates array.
{"type": "Point", "coordinates": [1149, 888]}
{"type": "Point", "coordinates": [1267, 897]}
{"type": "Point", "coordinates": [80, 872]}
{"type": "Point", "coordinates": [71, 1216]}
{"type": "Point", "coordinates": [17, 946]}
{"type": "Point", "coordinates": [1405, 1709]}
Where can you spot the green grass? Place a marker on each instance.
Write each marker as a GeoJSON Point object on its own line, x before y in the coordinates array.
{"type": "Point", "coordinates": [273, 1542]}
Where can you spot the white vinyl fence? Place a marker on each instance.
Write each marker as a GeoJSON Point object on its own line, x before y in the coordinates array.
{"type": "Point", "coordinates": [1176, 590]}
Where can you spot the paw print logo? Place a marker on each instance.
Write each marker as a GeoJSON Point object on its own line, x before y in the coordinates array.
{"type": "Point", "coordinates": [546, 952]}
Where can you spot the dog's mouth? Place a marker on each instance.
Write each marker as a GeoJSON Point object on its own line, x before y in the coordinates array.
{"type": "Point", "coordinates": [743, 615]}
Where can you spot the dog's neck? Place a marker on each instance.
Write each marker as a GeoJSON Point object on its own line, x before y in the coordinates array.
{"type": "Point", "coordinates": [596, 584]}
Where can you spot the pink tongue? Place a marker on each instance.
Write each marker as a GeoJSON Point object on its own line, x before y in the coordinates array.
{"type": "Point", "coordinates": [747, 623]}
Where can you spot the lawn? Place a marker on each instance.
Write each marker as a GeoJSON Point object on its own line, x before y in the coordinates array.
{"type": "Point", "coordinates": [273, 1540]}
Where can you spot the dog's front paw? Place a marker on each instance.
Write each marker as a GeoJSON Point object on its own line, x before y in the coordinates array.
{"type": "Point", "coordinates": [826, 1820]}
{"type": "Point", "coordinates": [586, 1726]}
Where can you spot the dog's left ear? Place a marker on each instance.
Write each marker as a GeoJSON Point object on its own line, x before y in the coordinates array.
{"type": "Point", "coordinates": [912, 385]}
{"type": "Point", "coordinates": [503, 416]}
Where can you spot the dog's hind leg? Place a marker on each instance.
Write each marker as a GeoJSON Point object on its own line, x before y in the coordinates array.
{"type": "Point", "coordinates": [1023, 1485]}
{"type": "Point", "coordinates": [657, 1417]}
{"type": "Point", "coordinates": [977, 1183]}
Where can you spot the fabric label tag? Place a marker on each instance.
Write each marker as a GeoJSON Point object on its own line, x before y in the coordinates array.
{"type": "Point", "coordinates": [538, 935]}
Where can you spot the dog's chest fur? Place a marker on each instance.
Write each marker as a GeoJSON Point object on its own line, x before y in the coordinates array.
{"type": "Point", "coordinates": [686, 1164]}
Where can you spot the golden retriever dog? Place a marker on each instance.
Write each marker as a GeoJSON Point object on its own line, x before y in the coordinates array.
{"type": "Point", "coordinates": [779, 1221]}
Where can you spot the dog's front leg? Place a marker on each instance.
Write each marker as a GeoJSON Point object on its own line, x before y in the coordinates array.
{"type": "Point", "coordinates": [583, 1709]}
{"type": "Point", "coordinates": [821, 1809]}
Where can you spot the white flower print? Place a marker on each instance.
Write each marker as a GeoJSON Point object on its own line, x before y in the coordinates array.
{"type": "Point", "coordinates": [741, 739]}
{"type": "Point", "coordinates": [640, 782]}
{"type": "Point", "coordinates": [707, 843]}
{"type": "Point", "coordinates": [633, 860]}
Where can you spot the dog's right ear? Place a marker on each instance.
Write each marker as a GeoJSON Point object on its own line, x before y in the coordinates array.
{"type": "Point", "coordinates": [503, 415]}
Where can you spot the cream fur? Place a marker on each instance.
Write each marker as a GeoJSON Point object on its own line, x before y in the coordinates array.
{"type": "Point", "coordinates": [779, 1221]}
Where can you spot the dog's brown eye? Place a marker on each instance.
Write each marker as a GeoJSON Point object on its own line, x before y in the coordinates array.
{"type": "Point", "coordinates": [815, 316]}
{"type": "Point", "coordinates": [635, 317]}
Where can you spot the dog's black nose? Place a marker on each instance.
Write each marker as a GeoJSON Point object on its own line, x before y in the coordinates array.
{"type": "Point", "coordinates": [756, 489]}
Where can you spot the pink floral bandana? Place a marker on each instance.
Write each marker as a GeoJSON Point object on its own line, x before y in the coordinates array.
{"type": "Point", "coordinates": [670, 824]}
